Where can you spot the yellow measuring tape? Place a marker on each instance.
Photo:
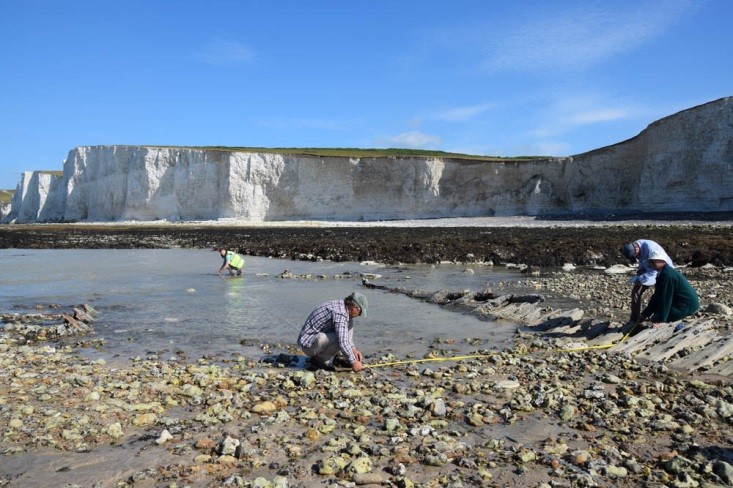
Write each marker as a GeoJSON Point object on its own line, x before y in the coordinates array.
{"type": "Point", "coordinates": [425, 360]}
{"type": "Point", "coordinates": [602, 346]}
{"type": "Point", "coordinates": [474, 356]}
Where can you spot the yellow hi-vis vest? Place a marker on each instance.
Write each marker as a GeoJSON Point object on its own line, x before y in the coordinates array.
{"type": "Point", "coordinates": [234, 259]}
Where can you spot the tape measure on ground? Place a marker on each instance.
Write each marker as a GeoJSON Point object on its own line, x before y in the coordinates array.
{"type": "Point", "coordinates": [425, 360]}
{"type": "Point", "coordinates": [475, 356]}
{"type": "Point", "coordinates": [602, 346]}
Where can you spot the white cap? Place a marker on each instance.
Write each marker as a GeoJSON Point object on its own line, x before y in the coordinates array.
{"type": "Point", "coordinates": [658, 256]}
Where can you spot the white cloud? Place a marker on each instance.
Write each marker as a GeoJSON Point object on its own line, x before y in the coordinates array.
{"type": "Point", "coordinates": [582, 36]}
{"type": "Point", "coordinates": [462, 114]}
{"type": "Point", "coordinates": [224, 53]}
{"type": "Point", "coordinates": [599, 115]}
{"type": "Point", "coordinates": [572, 112]}
{"type": "Point", "coordinates": [412, 140]}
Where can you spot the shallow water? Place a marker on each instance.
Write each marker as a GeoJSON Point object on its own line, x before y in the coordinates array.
{"type": "Point", "coordinates": [171, 301]}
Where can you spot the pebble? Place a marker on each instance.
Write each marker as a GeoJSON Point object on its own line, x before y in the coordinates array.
{"type": "Point", "coordinates": [368, 479]}
{"type": "Point", "coordinates": [260, 425]}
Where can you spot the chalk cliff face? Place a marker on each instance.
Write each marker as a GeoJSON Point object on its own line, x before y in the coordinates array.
{"type": "Point", "coordinates": [680, 163]}
{"type": "Point", "coordinates": [39, 197]}
{"type": "Point", "coordinates": [4, 210]}
{"type": "Point", "coordinates": [145, 183]}
{"type": "Point", "coordinates": [683, 162]}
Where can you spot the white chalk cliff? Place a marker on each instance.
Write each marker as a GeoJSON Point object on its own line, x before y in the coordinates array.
{"type": "Point", "coordinates": [683, 162]}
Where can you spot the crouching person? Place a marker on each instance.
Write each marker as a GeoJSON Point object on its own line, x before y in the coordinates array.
{"type": "Point", "coordinates": [233, 262]}
{"type": "Point", "coordinates": [673, 298]}
{"type": "Point", "coordinates": [330, 329]}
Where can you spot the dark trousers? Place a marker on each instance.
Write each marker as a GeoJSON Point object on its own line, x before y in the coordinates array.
{"type": "Point", "coordinates": [636, 292]}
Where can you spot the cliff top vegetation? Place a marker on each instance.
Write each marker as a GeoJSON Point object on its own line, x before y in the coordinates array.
{"type": "Point", "coordinates": [350, 152]}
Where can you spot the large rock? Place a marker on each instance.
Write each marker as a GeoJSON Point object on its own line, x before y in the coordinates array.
{"type": "Point", "coordinates": [683, 162]}
{"type": "Point", "coordinates": [39, 197]}
{"type": "Point", "coordinates": [148, 183]}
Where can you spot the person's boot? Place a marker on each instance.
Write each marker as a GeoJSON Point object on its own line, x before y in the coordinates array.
{"type": "Point", "coordinates": [341, 362]}
{"type": "Point", "coordinates": [314, 365]}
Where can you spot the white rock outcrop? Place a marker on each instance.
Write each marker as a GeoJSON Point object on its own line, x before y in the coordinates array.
{"type": "Point", "coordinates": [683, 162]}
{"type": "Point", "coordinates": [39, 197]}
{"type": "Point", "coordinates": [4, 210]}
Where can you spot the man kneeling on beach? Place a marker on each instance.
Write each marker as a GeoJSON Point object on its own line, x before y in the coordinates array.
{"type": "Point", "coordinates": [673, 298]}
{"type": "Point", "coordinates": [330, 329]}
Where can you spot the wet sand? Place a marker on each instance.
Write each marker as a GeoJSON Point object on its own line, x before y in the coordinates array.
{"type": "Point", "coordinates": [534, 415]}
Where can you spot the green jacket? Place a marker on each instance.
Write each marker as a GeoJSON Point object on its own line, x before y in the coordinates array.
{"type": "Point", "coordinates": [673, 298]}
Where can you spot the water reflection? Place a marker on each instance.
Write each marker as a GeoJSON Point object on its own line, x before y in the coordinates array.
{"type": "Point", "coordinates": [164, 301]}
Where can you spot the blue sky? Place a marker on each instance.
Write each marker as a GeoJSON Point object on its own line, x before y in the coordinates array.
{"type": "Point", "coordinates": [481, 77]}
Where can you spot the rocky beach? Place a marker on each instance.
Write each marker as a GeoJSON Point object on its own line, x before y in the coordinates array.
{"type": "Point", "coordinates": [578, 400]}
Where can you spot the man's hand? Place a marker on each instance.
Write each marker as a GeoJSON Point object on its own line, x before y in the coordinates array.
{"type": "Point", "coordinates": [356, 366]}
{"type": "Point", "coordinates": [358, 354]}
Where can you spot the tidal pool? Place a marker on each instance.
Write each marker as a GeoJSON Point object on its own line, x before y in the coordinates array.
{"type": "Point", "coordinates": [170, 301]}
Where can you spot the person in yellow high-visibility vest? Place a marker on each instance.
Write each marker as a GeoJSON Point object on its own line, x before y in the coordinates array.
{"type": "Point", "coordinates": [232, 262]}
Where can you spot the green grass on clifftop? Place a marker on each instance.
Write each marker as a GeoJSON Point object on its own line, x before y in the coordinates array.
{"type": "Point", "coordinates": [350, 152]}
{"type": "Point", "coordinates": [6, 196]}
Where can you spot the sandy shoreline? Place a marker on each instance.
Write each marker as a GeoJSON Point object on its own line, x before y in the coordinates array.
{"type": "Point", "coordinates": [534, 415]}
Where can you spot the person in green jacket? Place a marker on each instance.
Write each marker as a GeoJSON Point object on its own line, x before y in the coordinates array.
{"type": "Point", "coordinates": [232, 262]}
{"type": "Point", "coordinates": [673, 298]}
